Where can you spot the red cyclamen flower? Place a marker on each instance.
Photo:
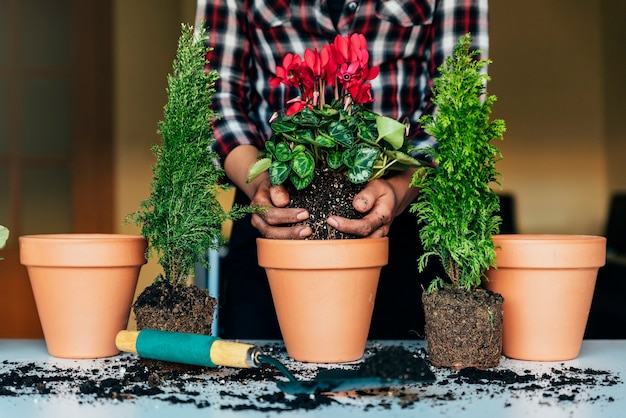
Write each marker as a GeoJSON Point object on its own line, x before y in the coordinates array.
{"type": "Point", "coordinates": [352, 57]}
{"type": "Point", "coordinates": [342, 64]}
{"type": "Point", "coordinates": [288, 73]}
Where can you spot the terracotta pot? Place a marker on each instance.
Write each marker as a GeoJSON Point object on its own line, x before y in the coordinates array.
{"type": "Point", "coordinates": [83, 286]}
{"type": "Point", "coordinates": [324, 293]}
{"type": "Point", "coordinates": [547, 282]}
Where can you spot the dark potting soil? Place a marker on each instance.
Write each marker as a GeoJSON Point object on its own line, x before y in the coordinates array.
{"type": "Point", "coordinates": [164, 307]}
{"type": "Point", "coordinates": [338, 194]}
{"type": "Point", "coordinates": [394, 362]}
{"type": "Point", "coordinates": [126, 378]}
{"type": "Point", "coordinates": [463, 329]}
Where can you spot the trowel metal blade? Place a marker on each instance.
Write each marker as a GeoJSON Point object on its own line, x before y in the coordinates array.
{"type": "Point", "coordinates": [341, 380]}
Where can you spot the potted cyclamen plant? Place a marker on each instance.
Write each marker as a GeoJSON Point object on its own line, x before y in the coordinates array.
{"type": "Point", "coordinates": [457, 209]}
{"type": "Point", "coordinates": [325, 149]}
{"type": "Point", "coordinates": [183, 217]}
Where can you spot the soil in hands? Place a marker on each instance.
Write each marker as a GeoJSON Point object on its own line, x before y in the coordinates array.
{"type": "Point", "coordinates": [330, 193]}
{"type": "Point", "coordinates": [164, 307]}
{"type": "Point", "coordinates": [463, 329]}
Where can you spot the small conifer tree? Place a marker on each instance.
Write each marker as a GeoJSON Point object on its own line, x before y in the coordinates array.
{"type": "Point", "coordinates": [457, 207]}
{"type": "Point", "coordinates": [183, 217]}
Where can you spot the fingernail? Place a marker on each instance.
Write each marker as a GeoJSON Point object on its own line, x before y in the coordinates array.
{"type": "Point", "coordinates": [302, 216]}
{"type": "Point", "coordinates": [332, 222]}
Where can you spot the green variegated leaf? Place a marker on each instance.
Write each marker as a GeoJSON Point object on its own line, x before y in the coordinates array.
{"type": "Point", "coordinates": [327, 112]}
{"type": "Point", "coordinates": [303, 164]}
{"type": "Point", "coordinates": [279, 171]}
{"type": "Point", "coordinates": [348, 157]}
{"type": "Point", "coordinates": [304, 136]}
{"type": "Point", "coordinates": [283, 126]}
{"type": "Point", "coordinates": [367, 133]}
{"type": "Point", "coordinates": [283, 153]}
{"type": "Point", "coordinates": [324, 141]}
{"type": "Point", "coordinates": [270, 146]}
{"type": "Point", "coordinates": [341, 133]}
{"type": "Point", "coordinates": [258, 167]}
{"type": "Point", "coordinates": [298, 182]}
{"type": "Point", "coordinates": [367, 114]}
{"type": "Point", "coordinates": [306, 117]}
{"type": "Point", "coordinates": [363, 165]}
{"type": "Point", "coordinates": [334, 159]}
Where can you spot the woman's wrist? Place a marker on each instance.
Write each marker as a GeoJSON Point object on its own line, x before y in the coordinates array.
{"type": "Point", "coordinates": [237, 166]}
{"type": "Point", "coordinates": [401, 186]}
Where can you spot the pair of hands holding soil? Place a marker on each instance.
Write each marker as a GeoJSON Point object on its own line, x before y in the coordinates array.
{"type": "Point", "coordinates": [380, 201]}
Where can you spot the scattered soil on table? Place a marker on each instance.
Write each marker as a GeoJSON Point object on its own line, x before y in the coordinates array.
{"type": "Point", "coordinates": [463, 329]}
{"type": "Point", "coordinates": [338, 194]}
{"type": "Point", "coordinates": [127, 378]}
{"type": "Point", "coordinates": [561, 384]}
{"type": "Point", "coordinates": [164, 307]}
{"type": "Point", "coordinates": [394, 363]}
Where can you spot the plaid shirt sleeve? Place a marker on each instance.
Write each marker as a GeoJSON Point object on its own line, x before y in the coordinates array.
{"type": "Point", "coordinates": [452, 20]}
{"type": "Point", "coordinates": [226, 25]}
{"type": "Point", "coordinates": [408, 40]}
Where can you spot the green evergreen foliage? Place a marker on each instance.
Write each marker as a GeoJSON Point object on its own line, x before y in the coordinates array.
{"type": "Point", "coordinates": [183, 218]}
{"type": "Point", "coordinates": [457, 206]}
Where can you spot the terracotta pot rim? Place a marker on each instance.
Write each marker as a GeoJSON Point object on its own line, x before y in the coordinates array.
{"type": "Point", "coordinates": [550, 251]}
{"type": "Point", "coordinates": [81, 236]}
{"type": "Point", "coordinates": [82, 250]}
{"type": "Point", "coordinates": [549, 237]}
{"type": "Point", "coordinates": [323, 242]}
{"type": "Point", "coordinates": [277, 253]}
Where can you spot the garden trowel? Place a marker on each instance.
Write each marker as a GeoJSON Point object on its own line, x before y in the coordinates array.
{"type": "Point", "coordinates": [209, 351]}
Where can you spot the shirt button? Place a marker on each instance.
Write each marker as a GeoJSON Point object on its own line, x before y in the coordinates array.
{"type": "Point", "coordinates": [352, 6]}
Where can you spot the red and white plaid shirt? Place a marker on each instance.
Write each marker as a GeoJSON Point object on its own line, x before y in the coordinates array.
{"type": "Point", "coordinates": [407, 39]}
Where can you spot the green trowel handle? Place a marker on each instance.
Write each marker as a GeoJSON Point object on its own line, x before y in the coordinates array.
{"type": "Point", "coordinates": [178, 347]}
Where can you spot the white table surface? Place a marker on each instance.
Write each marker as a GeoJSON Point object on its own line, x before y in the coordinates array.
{"type": "Point", "coordinates": [599, 395]}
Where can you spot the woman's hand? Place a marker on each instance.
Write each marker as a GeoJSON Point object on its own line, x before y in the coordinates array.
{"type": "Point", "coordinates": [381, 201]}
{"type": "Point", "coordinates": [275, 220]}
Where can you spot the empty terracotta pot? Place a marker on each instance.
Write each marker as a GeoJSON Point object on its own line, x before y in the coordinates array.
{"type": "Point", "coordinates": [324, 293]}
{"type": "Point", "coordinates": [83, 286]}
{"type": "Point", "coordinates": [547, 282]}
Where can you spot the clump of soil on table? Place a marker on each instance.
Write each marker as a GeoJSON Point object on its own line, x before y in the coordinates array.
{"type": "Point", "coordinates": [127, 378]}
{"type": "Point", "coordinates": [338, 194]}
{"type": "Point", "coordinates": [463, 329]}
{"type": "Point", "coordinates": [394, 363]}
{"type": "Point", "coordinates": [164, 307]}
